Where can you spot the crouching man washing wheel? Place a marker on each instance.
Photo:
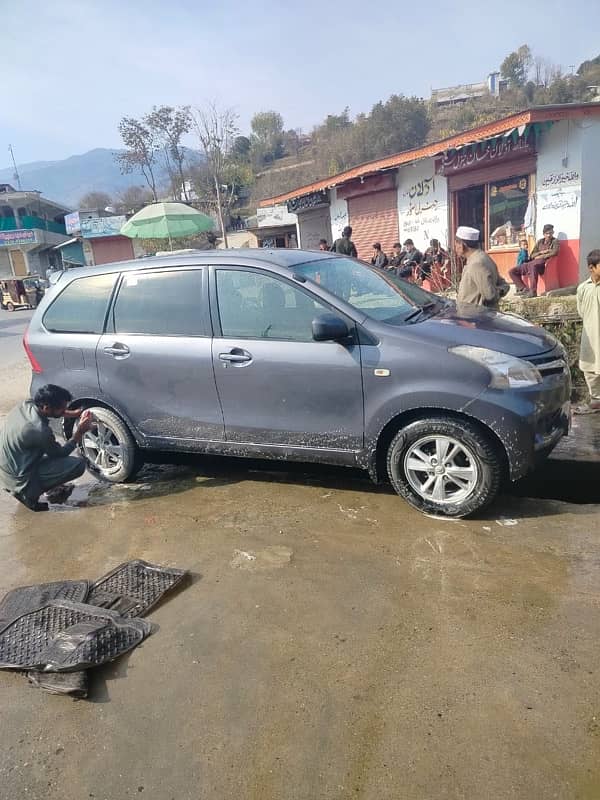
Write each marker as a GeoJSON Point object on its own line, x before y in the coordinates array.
{"type": "Point", "coordinates": [31, 460]}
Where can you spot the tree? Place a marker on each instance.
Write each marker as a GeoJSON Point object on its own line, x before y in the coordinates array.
{"type": "Point", "coordinates": [291, 142]}
{"type": "Point", "coordinates": [216, 129]}
{"type": "Point", "coordinates": [337, 122]}
{"type": "Point", "coordinates": [516, 65]}
{"type": "Point", "coordinates": [93, 200]}
{"type": "Point", "coordinates": [133, 198]}
{"type": "Point", "coordinates": [241, 148]}
{"type": "Point", "coordinates": [398, 124]}
{"type": "Point", "coordinates": [169, 125]}
{"type": "Point", "coordinates": [267, 136]}
{"type": "Point", "coordinates": [140, 154]}
{"type": "Point", "coordinates": [587, 66]}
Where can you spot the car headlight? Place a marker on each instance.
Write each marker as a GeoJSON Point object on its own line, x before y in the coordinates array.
{"type": "Point", "coordinates": [507, 371]}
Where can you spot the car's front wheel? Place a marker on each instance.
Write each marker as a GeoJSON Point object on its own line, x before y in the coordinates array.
{"type": "Point", "coordinates": [109, 447]}
{"type": "Point", "coordinates": [445, 467]}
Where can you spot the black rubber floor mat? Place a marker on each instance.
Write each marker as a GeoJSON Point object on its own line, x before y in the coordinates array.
{"type": "Point", "coordinates": [66, 637]}
{"type": "Point", "coordinates": [28, 598]}
{"type": "Point", "coordinates": [134, 587]}
{"type": "Point", "coordinates": [75, 684]}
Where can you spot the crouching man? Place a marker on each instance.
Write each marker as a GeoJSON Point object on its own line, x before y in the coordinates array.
{"type": "Point", "coordinates": [31, 460]}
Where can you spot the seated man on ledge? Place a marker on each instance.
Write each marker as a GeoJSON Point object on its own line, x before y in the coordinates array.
{"type": "Point", "coordinates": [545, 248]}
{"type": "Point", "coordinates": [31, 460]}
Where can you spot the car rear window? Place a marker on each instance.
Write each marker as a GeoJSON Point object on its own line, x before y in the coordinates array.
{"type": "Point", "coordinates": [81, 307]}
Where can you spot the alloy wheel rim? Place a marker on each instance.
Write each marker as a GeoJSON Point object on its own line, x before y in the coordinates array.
{"type": "Point", "coordinates": [103, 449]}
{"type": "Point", "coordinates": [441, 469]}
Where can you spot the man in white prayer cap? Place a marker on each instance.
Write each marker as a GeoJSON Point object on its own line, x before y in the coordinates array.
{"type": "Point", "coordinates": [480, 283]}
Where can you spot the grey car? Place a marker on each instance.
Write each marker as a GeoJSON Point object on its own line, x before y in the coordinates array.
{"type": "Point", "coordinates": [294, 355]}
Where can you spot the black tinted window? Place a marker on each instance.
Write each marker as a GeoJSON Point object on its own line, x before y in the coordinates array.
{"type": "Point", "coordinates": [81, 307]}
{"type": "Point", "coordinates": [260, 307]}
{"type": "Point", "coordinates": [160, 303]}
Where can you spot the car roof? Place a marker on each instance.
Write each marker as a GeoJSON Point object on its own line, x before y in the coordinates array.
{"type": "Point", "coordinates": [279, 257]}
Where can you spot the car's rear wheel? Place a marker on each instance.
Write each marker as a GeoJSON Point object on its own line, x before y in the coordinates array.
{"type": "Point", "coordinates": [445, 467]}
{"type": "Point", "coordinates": [109, 447]}
{"type": "Point", "coordinates": [10, 306]}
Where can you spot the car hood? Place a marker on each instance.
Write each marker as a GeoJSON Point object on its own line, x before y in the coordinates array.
{"type": "Point", "coordinates": [482, 327]}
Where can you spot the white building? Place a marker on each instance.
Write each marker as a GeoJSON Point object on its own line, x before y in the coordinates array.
{"type": "Point", "coordinates": [515, 174]}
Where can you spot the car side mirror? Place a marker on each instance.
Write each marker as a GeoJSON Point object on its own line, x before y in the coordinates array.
{"type": "Point", "coordinates": [329, 327]}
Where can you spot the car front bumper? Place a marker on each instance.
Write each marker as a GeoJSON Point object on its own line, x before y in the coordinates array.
{"type": "Point", "coordinates": [529, 423]}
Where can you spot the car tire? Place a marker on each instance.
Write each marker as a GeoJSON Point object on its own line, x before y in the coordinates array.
{"type": "Point", "coordinates": [444, 466]}
{"type": "Point", "coordinates": [10, 307]}
{"type": "Point", "coordinates": [109, 448]}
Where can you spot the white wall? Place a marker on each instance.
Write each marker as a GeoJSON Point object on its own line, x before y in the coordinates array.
{"type": "Point", "coordinates": [5, 266]}
{"type": "Point", "coordinates": [422, 204]}
{"type": "Point", "coordinates": [272, 216]}
{"type": "Point", "coordinates": [590, 198]}
{"type": "Point", "coordinates": [35, 264]}
{"type": "Point", "coordinates": [558, 180]}
{"type": "Point", "coordinates": [312, 226]}
{"type": "Point", "coordinates": [338, 212]}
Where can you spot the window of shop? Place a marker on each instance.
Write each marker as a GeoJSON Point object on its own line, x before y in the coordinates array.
{"type": "Point", "coordinates": [498, 208]}
{"type": "Point", "coordinates": [507, 207]}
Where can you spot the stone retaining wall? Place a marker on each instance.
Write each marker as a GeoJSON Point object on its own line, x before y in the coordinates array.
{"type": "Point", "coordinates": [558, 315]}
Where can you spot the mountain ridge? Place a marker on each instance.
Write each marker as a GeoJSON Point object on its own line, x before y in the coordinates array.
{"type": "Point", "coordinates": [67, 180]}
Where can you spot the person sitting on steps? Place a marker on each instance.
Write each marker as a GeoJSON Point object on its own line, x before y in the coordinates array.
{"type": "Point", "coordinates": [536, 265]}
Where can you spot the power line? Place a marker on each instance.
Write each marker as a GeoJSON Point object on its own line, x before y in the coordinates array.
{"type": "Point", "coordinates": [16, 174]}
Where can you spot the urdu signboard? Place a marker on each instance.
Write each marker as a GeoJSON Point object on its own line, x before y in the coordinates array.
{"type": "Point", "coordinates": [17, 238]}
{"type": "Point", "coordinates": [102, 226]}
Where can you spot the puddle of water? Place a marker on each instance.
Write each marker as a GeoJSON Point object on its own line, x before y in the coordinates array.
{"type": "Point", "coordinates": [270, 558]}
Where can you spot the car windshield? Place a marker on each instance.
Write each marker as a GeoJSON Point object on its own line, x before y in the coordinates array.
{"type": "Point", "coordinates": [378, 294]}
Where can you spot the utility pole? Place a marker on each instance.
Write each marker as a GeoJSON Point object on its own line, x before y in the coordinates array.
{"type": "Point", "coordinates": [17, 178]}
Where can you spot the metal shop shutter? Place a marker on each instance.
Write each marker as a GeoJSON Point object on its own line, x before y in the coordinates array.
{"type": "Point", "coordinates": [114, 248]}
{"type": "Point", "coordinates": [374, 218]}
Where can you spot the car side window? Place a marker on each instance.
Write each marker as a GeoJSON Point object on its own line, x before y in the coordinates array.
{"type": "Point", "coordinates": [160, 303]}
{"type": "Point", "coordinates": [255, 306]}
{"type": "Point", "coordinates": [81, 307]}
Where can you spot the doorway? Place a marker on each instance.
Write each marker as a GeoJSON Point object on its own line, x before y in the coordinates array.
{"type": "Point", "coordinates": [19, 264]}
{"type": "Point", "coordinates": [470, 207]}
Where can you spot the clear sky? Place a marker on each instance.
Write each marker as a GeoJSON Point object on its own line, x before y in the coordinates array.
{"type": "Point", "coordinates": [72, 68]}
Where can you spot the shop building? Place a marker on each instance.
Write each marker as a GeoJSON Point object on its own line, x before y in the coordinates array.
{"type": "Point", "coordinates": [514, 174]}
{"type": "Point", "coordinates": [273, 226]}
{"type": "Point", "coordinates": [30, 227]}
{"type": "Point", "coordinates": [99, 234]}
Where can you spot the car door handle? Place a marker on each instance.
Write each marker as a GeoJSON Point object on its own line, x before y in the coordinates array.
{"type": "Point", "coordinates": [117, 350]}
{"type": "Point", "coordinates": [239, 357]}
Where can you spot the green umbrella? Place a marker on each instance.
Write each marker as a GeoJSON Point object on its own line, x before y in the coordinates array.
{"type": "Point", "coordinates": [166, 221]}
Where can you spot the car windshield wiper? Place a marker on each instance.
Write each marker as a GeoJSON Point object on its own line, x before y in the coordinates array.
{"type": "Point", "coordinates": [418, 311]}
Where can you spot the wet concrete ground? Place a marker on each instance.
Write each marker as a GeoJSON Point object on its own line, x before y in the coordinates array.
{"type": "Point", "coordinates": [332, 643]}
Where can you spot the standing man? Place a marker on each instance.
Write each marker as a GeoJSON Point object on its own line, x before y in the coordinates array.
{"type": "Point", "coordinates": [323, 245]}
{"type": "Point", "coordinates": [31, 460]}
{"type": "Point", "coordinates": [480, 283]}
{"type": "Point", "coordinates": [588, 306]}
{"type": "Point", "coordinates": [344, 245]}
{"type": "Point", "coordinates": [536, 265]}
{"type": "Point", "coordinates": [379, 260]}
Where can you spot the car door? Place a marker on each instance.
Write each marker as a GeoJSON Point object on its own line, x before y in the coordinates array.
{"type": "Point", "coordinates": [155, 362]}
{"type": "Point", "coordinates": [278, 386]}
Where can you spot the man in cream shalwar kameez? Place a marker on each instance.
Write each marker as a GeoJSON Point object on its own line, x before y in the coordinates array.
{"type": "Point", "coordinates": [588, 306]}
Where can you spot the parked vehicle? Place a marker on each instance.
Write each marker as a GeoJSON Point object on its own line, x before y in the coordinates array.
{"type": "Point", "coordinates": [21, 292]}
{"type": "Point", "coordinates": [302, 356]}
